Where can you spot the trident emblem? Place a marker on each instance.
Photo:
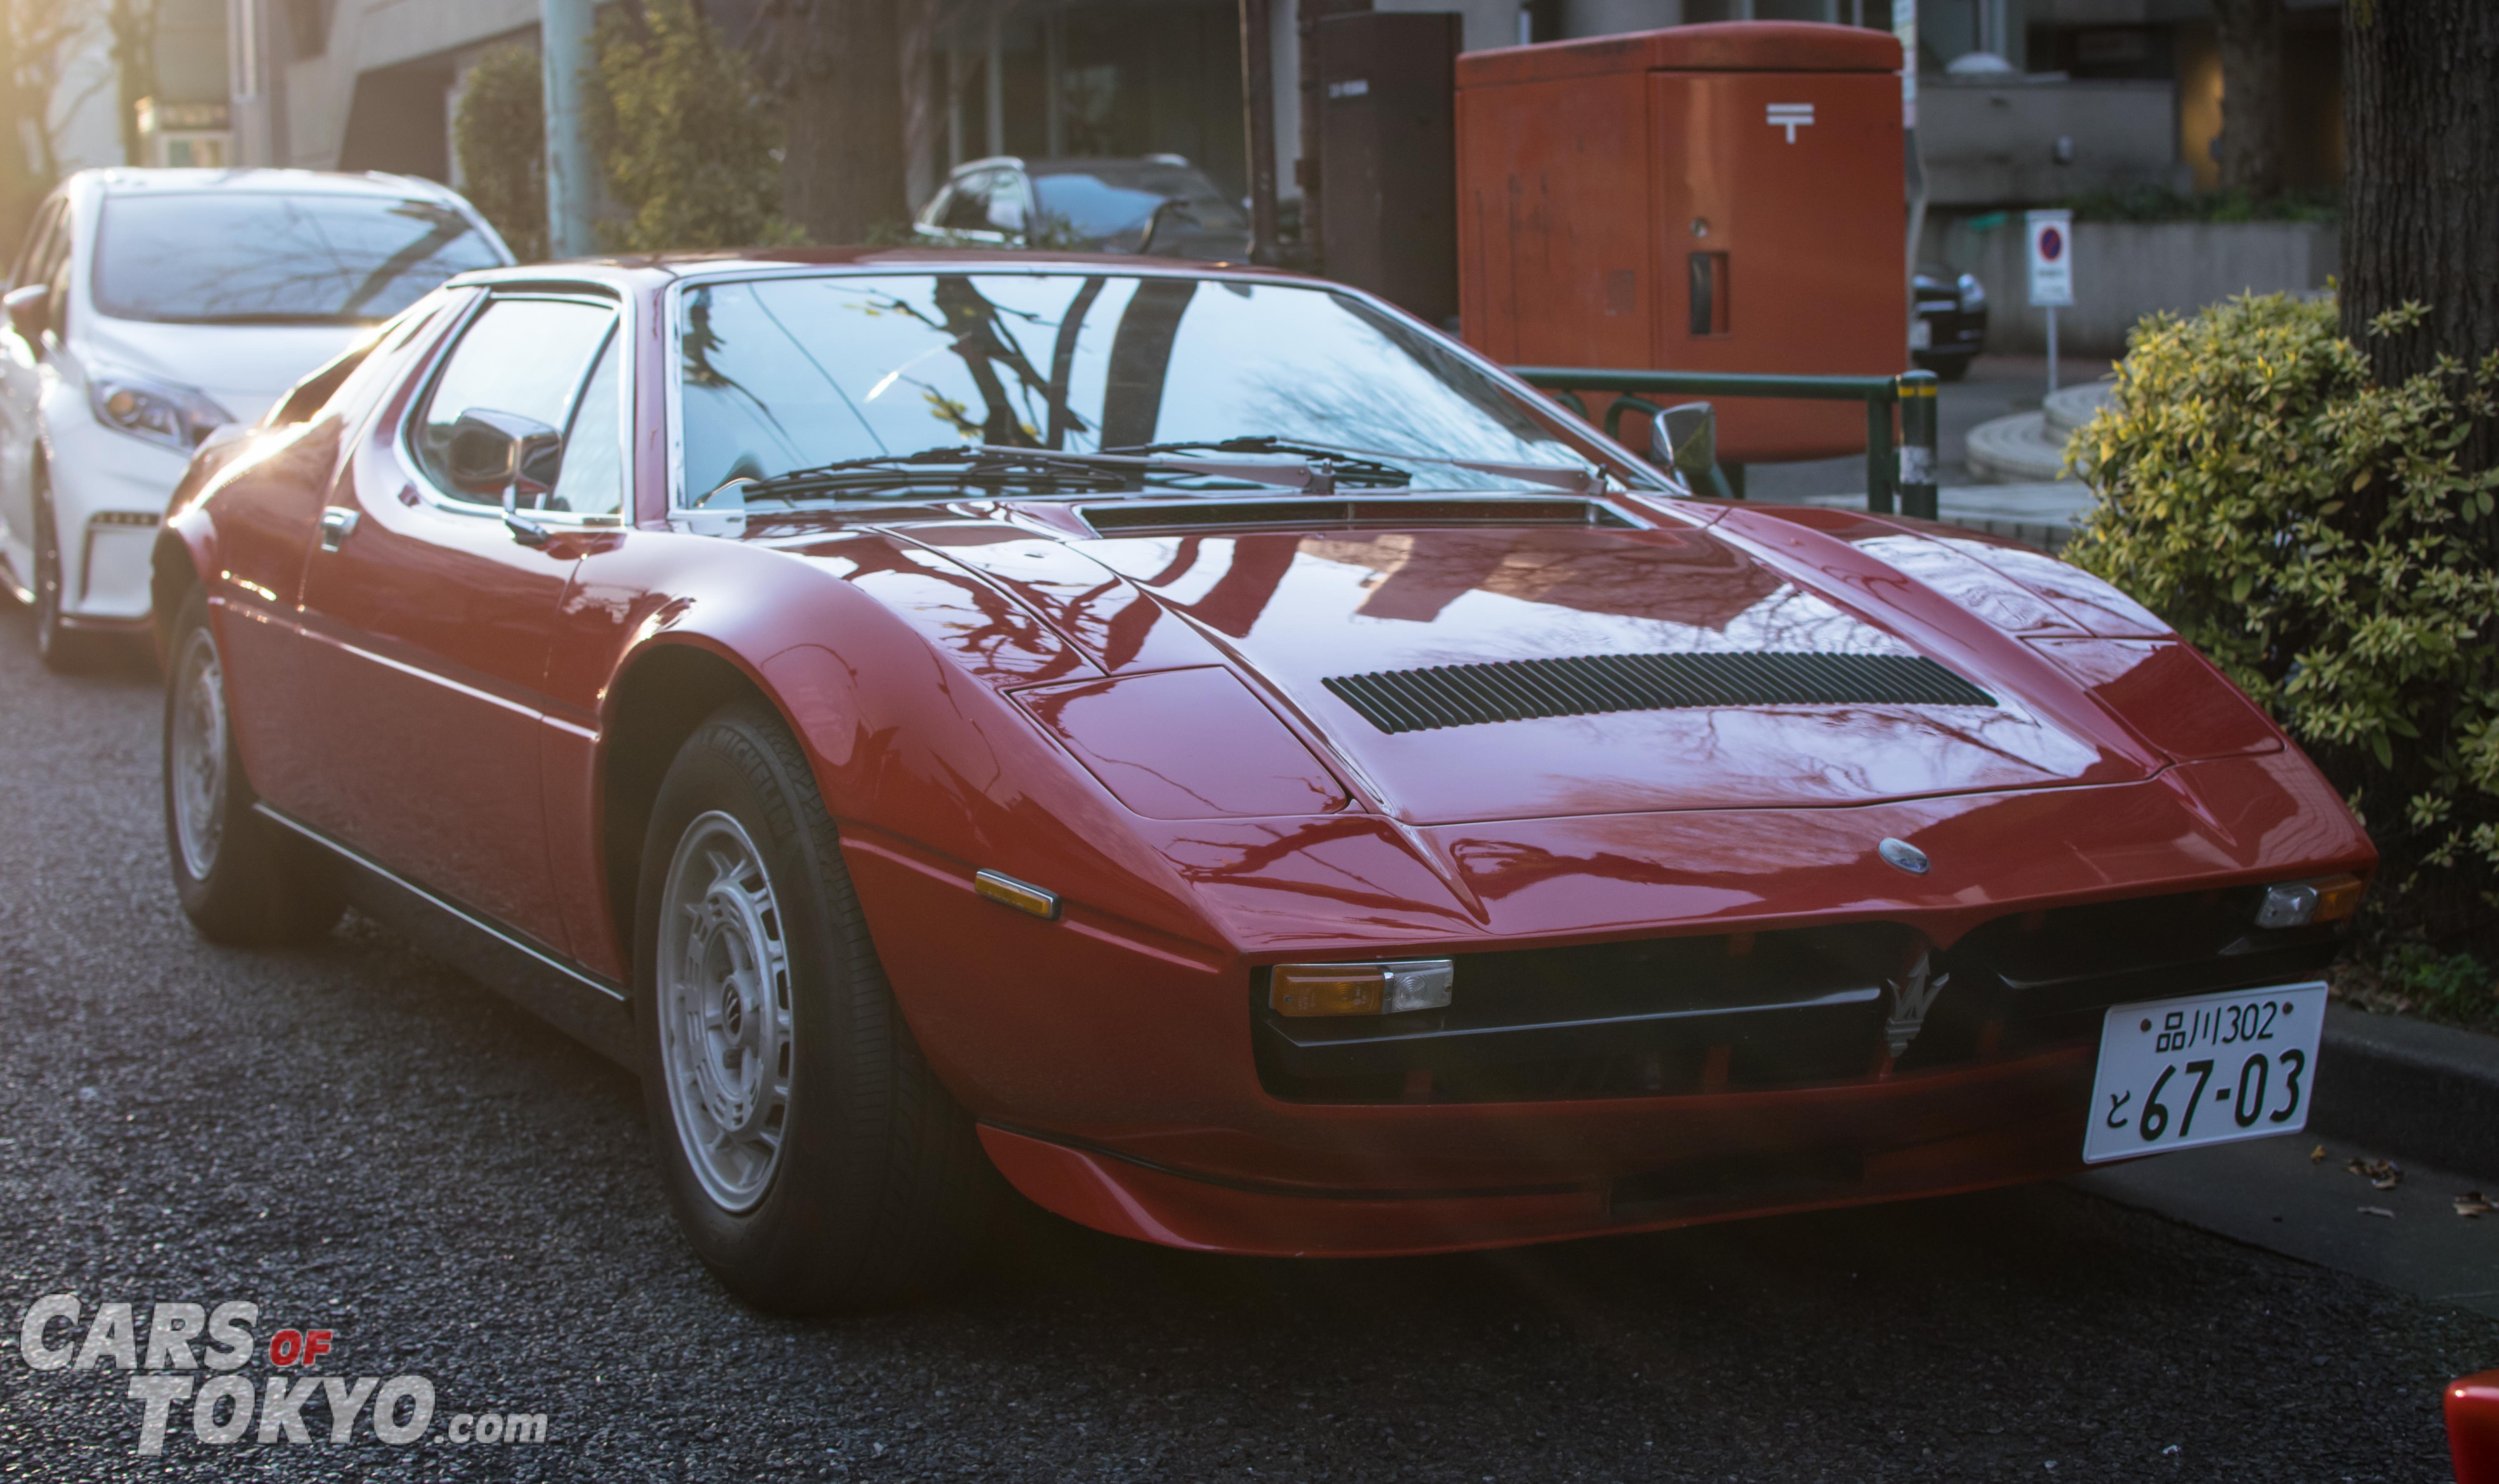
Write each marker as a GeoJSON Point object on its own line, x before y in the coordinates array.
{"type": "Point", "coordinates": [1913, 994]}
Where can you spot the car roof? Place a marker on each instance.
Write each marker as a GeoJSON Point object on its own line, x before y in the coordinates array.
{"type": "Point", "coordinates": [128, 181]}
{"type": "Point", "coordinates": [664, 267]}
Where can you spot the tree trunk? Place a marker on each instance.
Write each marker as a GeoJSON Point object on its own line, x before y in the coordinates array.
{"type": "Point", "coordinates": [916, 29]}
{"type": "Point", "coordinates": [842, 172]}
{"type": "Point", "coordinates": [132, 25]}
{"type": "Point", "coordinates": [2250, 34]}
{"type": "Point", "coordinates": [2420, 213]}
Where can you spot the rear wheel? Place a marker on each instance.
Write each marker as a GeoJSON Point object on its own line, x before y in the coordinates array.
{"type": "Point", "coordinates": [813, 1159]}
{"type": "Point", "coordinates": [241, 878]}
{"type": "Point", "coordinates": [62, 649]}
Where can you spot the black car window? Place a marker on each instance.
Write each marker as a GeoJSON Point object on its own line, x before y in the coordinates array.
{"type": "Point", "coordinates": [1104, 200]}
{"type": "Point", "coordinates": [967, 206]}
{"type": "Point", "coordinates": [256, 257]}
{"type": "Point", "coordinates": [1006, 201]}
{"type": "Point", "coordinates": [526, 357]}
{"type": "Point", "coordinates": [785, 374]}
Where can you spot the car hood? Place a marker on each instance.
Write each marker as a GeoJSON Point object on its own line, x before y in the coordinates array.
{"type": "Point", "coordinates": [1291, 610]}
{"type": "Point", "coordinates": [245, 368]}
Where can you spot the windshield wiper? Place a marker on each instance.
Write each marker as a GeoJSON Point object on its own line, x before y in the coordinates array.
{"type": "Point", "coordinates": [995, 465]}
{"type": "Point", "coordinates": [1361, 466]}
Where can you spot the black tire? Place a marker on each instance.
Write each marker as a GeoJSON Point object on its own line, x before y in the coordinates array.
{"type": "Point", "coordinates": [242, 880]}
{"type": "Point", "coordinates": [1948, 367]}
{"type": "Point", "coordinates": [877, 1190]}
{"type": "Point", "coordinates": [63, 649]}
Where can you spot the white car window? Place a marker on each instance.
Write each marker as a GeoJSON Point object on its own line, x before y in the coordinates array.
{"type": "Point", "coordinates": [526, 357]}
{"type": "Point", "coordinates": [592, 478]}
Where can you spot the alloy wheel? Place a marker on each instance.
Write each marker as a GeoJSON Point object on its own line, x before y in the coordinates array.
{"type": "Point", "coordinates": [196, 741]}
{"type": "Point", "coordinates": [723, 1011]}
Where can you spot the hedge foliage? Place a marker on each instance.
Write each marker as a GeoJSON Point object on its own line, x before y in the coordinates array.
{"type": "Point", "coordinates": [501, 134]}
{"type": "Point", "coordinates": [2315, 534]}
{"type": "Point", "coordinates": [687, 142]}
{"type": "Point", "coordinates": [690, 140]}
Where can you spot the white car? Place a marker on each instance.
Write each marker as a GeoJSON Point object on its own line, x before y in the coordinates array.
{"type": "Point", "coordinates": [147, 309]}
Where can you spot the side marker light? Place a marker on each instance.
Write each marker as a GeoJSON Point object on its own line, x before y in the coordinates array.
{"type": "Point", "coordinates": [1023, 896]}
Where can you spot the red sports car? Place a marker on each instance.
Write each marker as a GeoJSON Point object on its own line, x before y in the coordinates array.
{"type": "Point", "coordinates": [1210, 749]}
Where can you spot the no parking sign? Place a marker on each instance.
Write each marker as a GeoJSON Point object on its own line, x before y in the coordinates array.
{"type": "Point", "coordinates": [2052, 259]}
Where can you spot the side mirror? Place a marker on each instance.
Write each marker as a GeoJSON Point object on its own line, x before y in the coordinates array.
{"type": "Point", "coordinates": [503, 456]}
{"type": "Point", "coordinates": [30, 312]}
{"type": "Point", "coordinates": [1164, 210]}
{"type": "Point", "coordinates": [1685, 439]}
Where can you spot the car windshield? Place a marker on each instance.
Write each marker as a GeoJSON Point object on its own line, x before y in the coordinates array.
{"type": "Point", "coordinates": [1103, 198]}
{"type": "Point", "coordinates": [782, 375]}
{"type": "Point", "coordinates": [249, 257]}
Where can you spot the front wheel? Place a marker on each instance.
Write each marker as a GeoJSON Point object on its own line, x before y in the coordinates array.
{"type": "Point", "coordinates": [813, 1159]}
{"type": "Point", "coordinates": [240, 877]}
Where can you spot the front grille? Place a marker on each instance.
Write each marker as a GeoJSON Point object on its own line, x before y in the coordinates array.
{"type": "Point", "coordinates": [1777, 1009]}
{"type": "Point", "coordinates": [1518, 689]}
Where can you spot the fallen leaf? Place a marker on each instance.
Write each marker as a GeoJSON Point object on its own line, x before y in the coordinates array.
{"type": "Point", "coordinates": [2473, 1203]}
{"type": "Point", "coordinates": [2317, 1155]}
{"type": "Point", "coordinates": [2377, 1210]}
{"type": "Point", "coordinates": [2385, 1174]}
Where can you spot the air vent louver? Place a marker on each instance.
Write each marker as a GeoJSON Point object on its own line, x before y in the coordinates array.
{"type": "Point", "coordinates": [1518, 689]}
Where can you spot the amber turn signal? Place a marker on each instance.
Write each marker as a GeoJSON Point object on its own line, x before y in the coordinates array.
{"type": "Point", "coordinates": [2303, 903]}
{"type": "Point", "coordinates": [1023, 896]}
{"type": "Point", "coordinates": [2337, 897]}
{"type": "Point", "coordinates": [1361, 988]}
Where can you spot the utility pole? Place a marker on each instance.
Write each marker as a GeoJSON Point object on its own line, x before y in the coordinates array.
{"type": "Point", "coordinates": [571, 177]}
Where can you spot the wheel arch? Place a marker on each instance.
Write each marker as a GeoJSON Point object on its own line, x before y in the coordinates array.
{"type": "Point", "coordinates": [656, 700]}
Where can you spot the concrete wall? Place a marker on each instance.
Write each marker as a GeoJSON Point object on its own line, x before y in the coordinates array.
{"type": "Point", "coordinates": [1996, 144]}
{"type": "Point", "coordinates": [2123, 270]}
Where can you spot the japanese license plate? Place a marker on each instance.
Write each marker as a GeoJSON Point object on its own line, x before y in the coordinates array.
{"type": "Point", "coordinates": [2176, 1074]}
{"type": "Point", "coordinates": [1922, 335]}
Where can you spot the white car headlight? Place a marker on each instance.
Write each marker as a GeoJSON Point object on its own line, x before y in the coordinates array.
{"type": "Point", "coordinates": [1974, 294]}
{"type": "Point", "coordinates": [178, 417]}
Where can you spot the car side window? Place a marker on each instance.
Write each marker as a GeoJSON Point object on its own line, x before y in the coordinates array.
{"type": "Point", "coordinates": [521, 357]}
{"type": "Point", "coordinates": [56, 275]}
{"type": "Point", "coordinates": [30, 253]}
{"type": "Point", "coordinates": [968, 204]}
{"type": "Point", "coordinates": [592, 481]}
{"type": "Point", "coordinates": [1006, 201]}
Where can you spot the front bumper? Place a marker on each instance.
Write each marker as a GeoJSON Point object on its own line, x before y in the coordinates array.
{"type": "Point", "coordinates": [1118, 1075]}
{"type": "Point", "coordinates": [109, 495]}
{"type": "Point", "coordinates": [1643, 1165]}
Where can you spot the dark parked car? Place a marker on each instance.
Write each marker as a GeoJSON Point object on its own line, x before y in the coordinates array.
{"type": "Point", "coordinates": [1159, 203]}
{"type": "Point", "coordinates": [1951, 322]}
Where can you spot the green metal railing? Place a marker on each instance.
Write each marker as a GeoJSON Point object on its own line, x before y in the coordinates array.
{"type": "Point", "coordinates": [1904, 467]}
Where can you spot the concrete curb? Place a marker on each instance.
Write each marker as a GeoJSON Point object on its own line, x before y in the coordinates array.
{"type": "Point", "coordinates": [2411, 1089]}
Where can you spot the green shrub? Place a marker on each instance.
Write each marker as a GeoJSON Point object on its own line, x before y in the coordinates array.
{"type": "Point", "coordinates": [689, 139]}
{"type": "Point", "coordinates": [2159, 203]}
{"type": "Point", "coordinates": [2313, 534]}
{"type": "Point", "coordinates": [501, 134]}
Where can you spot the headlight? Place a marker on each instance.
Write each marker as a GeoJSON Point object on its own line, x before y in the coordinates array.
{"type": "Point", "coordinates": [1974, 294]}
{"type": "Point", "coordinates": [1361, 988]}
{"type": "Point", "coordinates": [178, 417]}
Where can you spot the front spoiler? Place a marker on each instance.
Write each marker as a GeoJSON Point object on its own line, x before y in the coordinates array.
{"type": "Point", "coordinates": [2014, 1122]}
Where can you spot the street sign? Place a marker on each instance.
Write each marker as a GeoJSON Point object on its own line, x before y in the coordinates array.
{"type": "Point", "coordinates": [2051, 258]}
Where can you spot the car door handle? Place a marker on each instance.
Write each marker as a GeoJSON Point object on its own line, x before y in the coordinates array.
{"type": "Point", "coordinates": [337, 524]}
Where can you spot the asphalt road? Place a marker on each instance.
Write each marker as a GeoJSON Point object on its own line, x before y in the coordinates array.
{"type": "Point", "coordinates": [355, 1140]}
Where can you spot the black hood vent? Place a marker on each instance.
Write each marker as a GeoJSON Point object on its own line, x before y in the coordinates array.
{"type": "Point", "coordinates": [1518, 689]}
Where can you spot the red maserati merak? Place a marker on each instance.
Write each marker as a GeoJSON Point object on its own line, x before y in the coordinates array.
{"type": "Point", "coordinates": [1212, 750]}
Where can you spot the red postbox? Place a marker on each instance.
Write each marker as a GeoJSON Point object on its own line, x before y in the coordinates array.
{"type": "Point", "coordinates": [1703, 197]}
